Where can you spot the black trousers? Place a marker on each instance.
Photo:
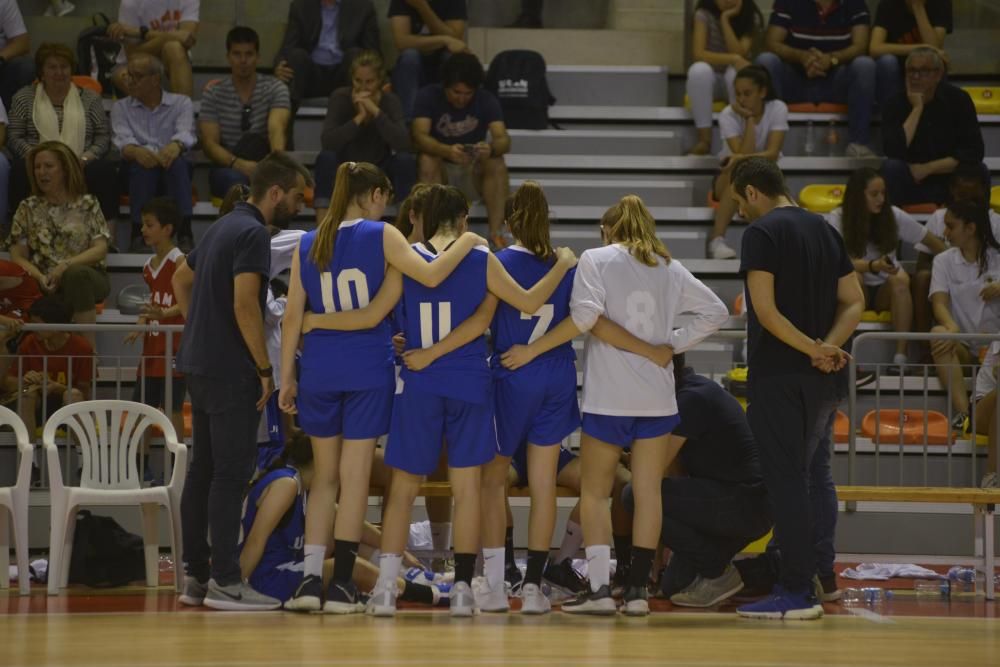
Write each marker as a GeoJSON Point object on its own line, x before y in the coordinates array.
{"type": "Point", "coordinates": [224, 425]}
{"type": "Point", "coordinates": [312, 80]}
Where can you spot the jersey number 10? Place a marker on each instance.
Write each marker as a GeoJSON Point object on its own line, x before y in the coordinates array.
{"type": "Point", "coordinates": [345, 279]}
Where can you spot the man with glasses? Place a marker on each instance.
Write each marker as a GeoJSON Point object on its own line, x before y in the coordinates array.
{"type": "Point", "coordinates": [154, 130]}
{"type": "Point", "coordinates": [243, 117]}
{"type": "Point", "coordinates": [927, 131]}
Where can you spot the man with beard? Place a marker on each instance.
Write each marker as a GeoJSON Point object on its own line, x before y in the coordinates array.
{"type": "Point", "coordinates": [803, 303]}
{"type": "Point", "coordinates": [221, 287]}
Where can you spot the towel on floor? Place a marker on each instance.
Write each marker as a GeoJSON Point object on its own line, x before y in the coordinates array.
{"type": "Point", "coordinates": [885, 571]}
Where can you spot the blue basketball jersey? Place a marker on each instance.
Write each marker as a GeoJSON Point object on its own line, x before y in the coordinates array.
{"type": "Point", "coordinates": [430, 314]}
{"type": "Point", "coordinates": [512, 327]}
{"type": "Point", "coordinates": [285, 544]}
{"type": "Point", "coordinates": [347, 360]}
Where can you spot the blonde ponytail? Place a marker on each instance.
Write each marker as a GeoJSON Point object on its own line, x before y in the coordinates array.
{"type": "Point", "coordinates": [353, 180]}
{"type": "Point", "coordinates": [631, 224]}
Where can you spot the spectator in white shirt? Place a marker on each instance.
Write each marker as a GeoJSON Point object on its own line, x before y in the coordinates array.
{"type": "Point", "coordinates": [17, 68]}
{"type": "Point", "coordinates": [166, 29]}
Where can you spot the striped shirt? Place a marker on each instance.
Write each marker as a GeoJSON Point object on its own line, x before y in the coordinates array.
{"type": "Point", "coordinates": [221, 104]}
{"type": "Point", "coordinates": [22, 133]}
{"type": "Point", "coordinates": [809, 26]}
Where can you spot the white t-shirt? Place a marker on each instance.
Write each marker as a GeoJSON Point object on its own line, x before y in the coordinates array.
{"type": "Point", "coordinates": [935, 225]}
{"type": "Point", "coordinates": [3, 115]}
{"type": "Point", "coordinates": [910, 231]}
{"type": "Point", "coordinates": [986, 378]}
{"type": "Point", "coordinates": [961, 281]}
{"type": "Point", "coordinates": [732, 125]}
{"type": "Point", "coordinates": [162, 15]}
{"type": "Point", "coordinates": [645, 300]}
{"type": "Point", "coordinates": [11, 22]}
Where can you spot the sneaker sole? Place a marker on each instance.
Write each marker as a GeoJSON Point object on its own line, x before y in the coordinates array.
{"type": "Point", "coordinates": [462, 612]}
{"type": "Point", "coordinates": [190, 601]}
{"type": "Point", "coordinates": [717, 600]}
{"type": "Point", "coordinates": [233, 605]}
{"type": "Point", "coordinates": [306, 603]}
{"type": "Point", "coordinates": [535, 611]}
{"type": "Point", "coordinates": [381, 611]}
{"type": "Point", "coordinates": [343, 608]}
{"type": "Point", "coordinates": [594, 610]}
{"type": "Point", "coordinates": [563, 589]}
{"type": "Point", "coordinates": [636, 608]}
{"type": "Point", "coordinates": [811, 614]}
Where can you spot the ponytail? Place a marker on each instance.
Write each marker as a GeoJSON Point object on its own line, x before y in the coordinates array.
{"type": "Point", "coordinates": [414, 204]}
{"type": "Point", "coordinates": [977, 213]}
{"type": "Point", "coordinates": [354, 179]}
{"type": "Point", "coordinates": [630, 223]}
{"type": "Point", "coordinates": [528, 218]}
{"type": "Point", "coordinates": [444, 205]}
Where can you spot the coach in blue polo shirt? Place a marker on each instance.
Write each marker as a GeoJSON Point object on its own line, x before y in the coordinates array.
{"type": "Point", "coordinates": [817, 51]}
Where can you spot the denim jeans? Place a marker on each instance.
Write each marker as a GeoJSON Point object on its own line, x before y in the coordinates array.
{"type": "Point", "coordinates": [852, 83]}
{"type": "Point", "coordinates": [144, 184]}
{"type": "Point", "coordinates": [888, 77]}
{"type": "Point", "coordinates": [220, 179]}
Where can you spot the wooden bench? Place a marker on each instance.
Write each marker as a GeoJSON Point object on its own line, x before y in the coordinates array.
{"type": "Point", "coordinates": [983, 503]}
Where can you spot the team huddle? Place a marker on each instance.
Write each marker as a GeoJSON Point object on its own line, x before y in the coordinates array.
{"type": "Point", "coordinates": [358, 287]}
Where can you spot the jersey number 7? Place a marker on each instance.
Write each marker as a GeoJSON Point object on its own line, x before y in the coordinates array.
{"type": "Point", "coordinates": [544, 315]}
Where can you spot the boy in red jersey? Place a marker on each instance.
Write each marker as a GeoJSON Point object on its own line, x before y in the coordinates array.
{"type": "Point", "coordinates": [160, 220]}
{"type": "Point", "coordinates": [18, 291]}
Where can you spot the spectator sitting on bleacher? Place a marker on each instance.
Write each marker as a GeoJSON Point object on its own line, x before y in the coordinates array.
{"type": "Point", "coordinates": [154, 130]}
{"type": "Point", "coordinates": [425, 33]}
{"type": "Point", "coordinates": [364, 124]}
{"type": "Point", "coordinates": [754, 124]}
{"type": "Point", "coordinates": [55, 368]}
{"type": "Point", "coordinates": [55, 109]}
{"type": "Point", "coordinates": [817, 52]}
{"type": "Point", "coordinates": [987, 423]}
{"type": "Point", "coordinates": [160, 220]}
{"type": "Point", "coordinates": [166, 29]}
{"type": "Point", "coordinates": [322, 37]}
{"type": "Point", "coordinates": [243, 117]}
{"type": "Point", "coordinates": [927, 131]}
{"type": "Point", "coordinates": [901, 26]}
{"type": "Point", "coordinates": [59, 235]}
{"type": "Point", "coordinates": [721, 40]}
{"type": "Point", "coordinates": [18, 291]}
{"type": "Point", "coordinates": [966, 184]}
{"type": "Point", "coordinates": [872, 229]}
{"type": "Point", "coordinates": [450, 124]}
{"type": "Point", "coordinates": [965, 296]}
{"type": "Point", "coordinates": [17, 69]}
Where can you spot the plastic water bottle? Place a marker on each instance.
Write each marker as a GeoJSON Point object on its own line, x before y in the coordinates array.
{"type": "Point", "coordinates": [936, 589]}
{"type": "Point", "coordinates": [832, 139]}
{"type": "Point", "coordinates": [864, 597]}
{"type": "Point", "coordinates": [965, 583]}
{"type": "Point", "coordinates": [810, 145]}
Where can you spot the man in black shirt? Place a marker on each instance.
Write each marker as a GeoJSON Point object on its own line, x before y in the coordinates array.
{"type": "Point", "coordinates": [900, 27]}
{"type": "Point", "coordinates": [927, 132]}
{"type": "Point", "coordinates": [717, 504]}
{"type": "Point", "coordinates": [221, 287]}
{"type": "Point", "coordinates": [803, 303]}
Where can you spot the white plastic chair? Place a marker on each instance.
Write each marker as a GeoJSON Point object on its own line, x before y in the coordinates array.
{"type": "Point", "coordinates": [15, 499]}
{"type": "Point", "coordinates": [110, 434]}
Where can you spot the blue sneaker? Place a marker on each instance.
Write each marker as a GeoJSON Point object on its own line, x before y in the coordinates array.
{"type": "Point", "coordinates": [418, 575]}
{"type": "Point", "coordinates": [784, 605]}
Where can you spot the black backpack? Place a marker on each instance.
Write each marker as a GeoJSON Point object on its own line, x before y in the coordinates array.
{"type": "Point", "coordinates": [518, 80]}
{"type": "Point", "coordinates": [104, 554]}
{"type": "Point", "coordinates": [96, 53]}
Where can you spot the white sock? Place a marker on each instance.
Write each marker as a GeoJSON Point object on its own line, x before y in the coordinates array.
{"type": "Point", "coordinates": [314, 559]}
{"type": "Point", "coordinates": [388, 569]}
{"type": "Point", "coordinates": [571, 542]}
{"type": "Point", "coordinates": [441, 535]}
{"type": "Point", "coordinates": [599, 565]}
{"type": "Point", "coordinates": [493, 564]}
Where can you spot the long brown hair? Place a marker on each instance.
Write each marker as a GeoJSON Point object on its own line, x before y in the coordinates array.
{"type": "Point", "coordinates": [630, 223]}
{"type": "Point", "coordinates": [444, 206]}
{"type": "Point", "coordinates": [354, 179]}
{"type": "Point", "coordinates": [859, 225]}
{"type": "Point", "coordinates": [414, 203]}
{"type": "Point", "coordinates": [529, 220]}
{"type": "Point", "coordinates": [72, 170]}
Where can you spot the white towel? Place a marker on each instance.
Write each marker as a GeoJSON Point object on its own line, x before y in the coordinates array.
{"type": "Point", "coordinates": [885, 571]}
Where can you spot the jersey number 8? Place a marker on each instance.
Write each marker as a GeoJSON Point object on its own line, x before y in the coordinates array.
{"type": "Point", "coordinates": [640, 308]}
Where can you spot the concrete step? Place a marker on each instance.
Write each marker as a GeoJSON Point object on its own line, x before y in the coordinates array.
{"type": "Point", "coordinates": [601, 192]}
{"type": "Point", "coordinates": [613, 86]}
{"type": "Point", "coordinates": [583, 142]}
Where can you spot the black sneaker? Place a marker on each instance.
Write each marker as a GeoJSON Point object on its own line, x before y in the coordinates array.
{"type": "Point", "coordinates": [513, 578]}
{"type": "Point", "coordinates": [308, 596]}
{"type": "Point", "coordinates": [636, 600]}
{"type": "Point", "coordinates": [620, 581]}
{"type": "Point", "coordinates": [565, 578]}
{"type": "Point", "coordinates": [344, 598]}
{"type": "Point", "coordinates": [597, 603]}
{"type": "Point", "coordinates": [959, 422]}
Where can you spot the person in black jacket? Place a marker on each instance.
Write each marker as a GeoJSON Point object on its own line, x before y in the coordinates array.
{"type": "Point", "coordinates": [927, 131]}
{"type": "Point", "coordinates": [321, 39]}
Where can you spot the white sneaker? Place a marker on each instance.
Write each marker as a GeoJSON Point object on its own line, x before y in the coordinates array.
{"type": "Point", "coordinates": [463, 602]}
{"type": "Point", "coordinates": [533, 601]}
{"type": "Point", "coordinates": [382, 602]}
{"type": "Point", "coordinates": [193, 593]}
{"type": "Point", "coordinates": [860, 152]}
{"type": "Point", "coordinates": [492, 600]}
{"type": "Point", "coordinates": [710, 592]}
{"type": "Point", "coordinates": [238, 597]}
{"type": "Point", "coordinates": [717, 249]}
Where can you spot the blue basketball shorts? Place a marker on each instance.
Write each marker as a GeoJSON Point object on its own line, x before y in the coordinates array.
{"type": "Point", "coordinates": [536, 404]}
{"type": "Point", "coordinates": [279, 582]}
{"type": "Point", "coordinates": [355, 415]}
{"type": "Point", "coordinates": [623, 431]}
{"type": "Point", "coordinates": [520, 463]}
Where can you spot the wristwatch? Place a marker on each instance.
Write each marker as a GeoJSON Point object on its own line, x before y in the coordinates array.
{"type": "Point", "coordinates": [265, 371]}
{"type": "Point", "coordinates": [835, 61]}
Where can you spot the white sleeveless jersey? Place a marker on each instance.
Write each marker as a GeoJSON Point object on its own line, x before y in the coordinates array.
{"type": "Point", "coordinates": [645, 300]}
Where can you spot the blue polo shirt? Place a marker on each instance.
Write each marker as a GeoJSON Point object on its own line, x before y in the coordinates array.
{"type": "Point", "coordinates": [809, 27]}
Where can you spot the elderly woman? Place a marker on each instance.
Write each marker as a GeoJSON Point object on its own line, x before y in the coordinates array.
{"type": "Point", "coordinates": [59, 235]}
{"type": "Point", "coordinates": [55, 109]}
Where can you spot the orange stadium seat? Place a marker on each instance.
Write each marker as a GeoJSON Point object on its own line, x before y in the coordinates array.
{"type": "Point", "coordinates": [841, 428]}
{"type": "Point", "coordinates": [986, 98]}
{"type": "Point", "coordinates": [894, 426]}
{"type": "Point", "coordinates": [821, 107]}
{"type": "Point", "coordinates": [919, 209]}
{"type": "Point", "coordinates": [821, 198]}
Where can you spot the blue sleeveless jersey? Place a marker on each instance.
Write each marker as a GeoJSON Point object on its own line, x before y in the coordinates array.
{"type": "Point", "coordinates": [285, 544]}
{"type": "Point", "coordinates": [430, 314]}
{"type": "Point", "coordinates": [512, 327]}
{"type": "Point", "coordinates": [346, 360]}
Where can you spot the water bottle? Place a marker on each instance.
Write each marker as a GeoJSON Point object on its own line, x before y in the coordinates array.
{"type": "Point", "coordinates": [965, 583]}
{"type": "Point", "coordinates": [938, 589]}
{"type": "Point", "coordinates": [810, 146]}
{"type": "Point", "coordinates": [832, 139]}
{"type": "Point", "coordinates": [864, 597]}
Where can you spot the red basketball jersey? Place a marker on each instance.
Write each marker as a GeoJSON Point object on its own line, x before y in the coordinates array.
{"type": "Point", "coordinates": [16, 301]}
{"type": "Point", "coordinates": [154, 344]}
